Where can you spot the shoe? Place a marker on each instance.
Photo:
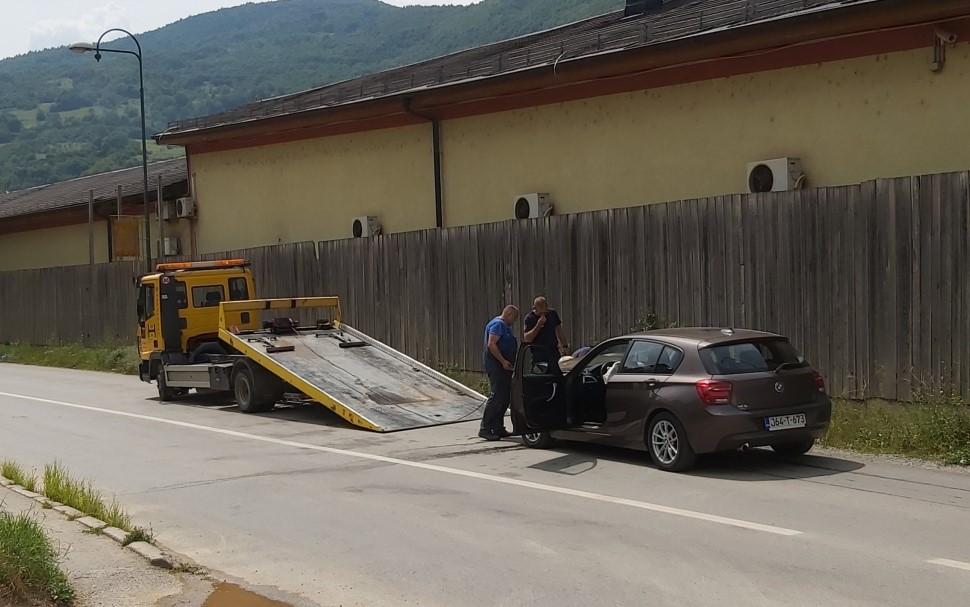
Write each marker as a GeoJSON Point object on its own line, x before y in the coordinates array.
{"type": "Point", "coordinates": [488, 435]}
{"type": "Point", "coordinates": [503, 433]}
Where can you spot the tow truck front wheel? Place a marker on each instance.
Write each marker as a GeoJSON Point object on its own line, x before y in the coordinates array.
{"type": "Point", "coordinates": [166, 393]}
{"type": "Point", "coordinates": [256, 391]}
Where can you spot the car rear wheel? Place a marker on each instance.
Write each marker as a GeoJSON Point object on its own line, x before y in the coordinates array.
{"type": "Point", "coordinates": [537, 440]}
{"type": "Point", "coordinates": [668, 445]}
{"type": "Point", "coordinates": [795, 448]}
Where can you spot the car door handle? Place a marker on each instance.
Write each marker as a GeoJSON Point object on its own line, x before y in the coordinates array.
{"type": "Point", "coordinates": [651, 384]}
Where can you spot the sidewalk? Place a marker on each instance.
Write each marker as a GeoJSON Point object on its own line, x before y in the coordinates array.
{"type": "Point", "coordinates": [102, 573]}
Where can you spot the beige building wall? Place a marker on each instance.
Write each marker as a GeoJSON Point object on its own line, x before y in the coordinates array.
{"type": "Point", "coordinates": [849, 121]}
{"type": "Point", "coordinates": [63, 246]}
{"type": "Point", "coordinates": [312, 189]}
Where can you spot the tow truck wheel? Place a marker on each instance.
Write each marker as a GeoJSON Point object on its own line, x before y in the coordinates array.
{"type": "Point", "coordinates": [254, 391]}
{"type": "Point", "coordinates": [165, 393]}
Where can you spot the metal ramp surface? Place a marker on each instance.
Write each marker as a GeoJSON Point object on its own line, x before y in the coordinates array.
{"type": "Point", "coordinates": [369, 384]}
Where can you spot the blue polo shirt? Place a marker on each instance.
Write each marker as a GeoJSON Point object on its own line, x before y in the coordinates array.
{"type": "Point", "coordinates": [508, 345]}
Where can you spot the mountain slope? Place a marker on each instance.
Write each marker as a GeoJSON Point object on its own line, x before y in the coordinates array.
{"type": "Point", "coordinates": [64, 115]}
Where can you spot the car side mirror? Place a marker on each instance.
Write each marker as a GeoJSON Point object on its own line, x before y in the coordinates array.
{"type": "Point", "coordinates": [610, 372]}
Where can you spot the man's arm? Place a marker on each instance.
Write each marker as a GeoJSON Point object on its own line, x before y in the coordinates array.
{"type": "Point", "coordinates": [496, 353]}
{"type": "Point", "coordinates": [561, 336]}
{"type": "Point", "coordinates": [533, 333]}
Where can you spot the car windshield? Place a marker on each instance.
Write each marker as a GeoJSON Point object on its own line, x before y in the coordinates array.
{"type": "Point", "coordinates": [751, 357]}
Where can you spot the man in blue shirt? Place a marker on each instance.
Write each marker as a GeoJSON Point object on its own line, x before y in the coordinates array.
{"type": "Point", "coordinates": [500, 348]}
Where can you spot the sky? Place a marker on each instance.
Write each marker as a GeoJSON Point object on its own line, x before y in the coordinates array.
{"type": "Point", "coordinates": [29, 25]}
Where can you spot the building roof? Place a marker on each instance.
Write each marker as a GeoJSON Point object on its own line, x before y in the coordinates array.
{"type": "Point", "coordinates": [75, 192]}
{"type": "Point", "coordinates": [675, 20]}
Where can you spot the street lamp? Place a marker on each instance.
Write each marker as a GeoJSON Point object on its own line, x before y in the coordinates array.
{"type": "Point", "coordinates": [87, 47]}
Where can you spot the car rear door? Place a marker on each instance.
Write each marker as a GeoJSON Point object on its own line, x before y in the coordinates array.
{"type": "Point", "coordinates": [538, 397]}
{"type": "Point", "coordinates": [764, 374]}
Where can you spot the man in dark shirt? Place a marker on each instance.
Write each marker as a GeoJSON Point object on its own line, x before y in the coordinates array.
{"type": "Point", "coordinates": [543, 327]}
{"type": "Point", "coordinates": [500, 348]}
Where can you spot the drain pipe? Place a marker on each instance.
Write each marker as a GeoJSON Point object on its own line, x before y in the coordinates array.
{"type": "Point", "coordinates": [436, 150]}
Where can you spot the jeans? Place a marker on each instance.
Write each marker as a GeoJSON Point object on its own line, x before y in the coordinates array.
{"type": "Point", "coordinates": [500, 386]}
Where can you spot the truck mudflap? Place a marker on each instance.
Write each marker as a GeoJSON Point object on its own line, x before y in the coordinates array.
{"type": "Point", "coordinates": [362, 380]}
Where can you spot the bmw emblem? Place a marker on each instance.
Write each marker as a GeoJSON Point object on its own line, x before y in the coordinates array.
{"type": "Point", "coordinates": [779, 387]}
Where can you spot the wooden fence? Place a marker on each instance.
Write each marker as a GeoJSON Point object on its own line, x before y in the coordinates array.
{"type": "Point", "coordinates": [870, 280]}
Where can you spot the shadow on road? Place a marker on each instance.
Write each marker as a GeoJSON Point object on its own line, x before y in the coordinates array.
{"type": "Point", "coordinates": [574, 459]}
{"type": "Point", "coordinates": [307, 413]}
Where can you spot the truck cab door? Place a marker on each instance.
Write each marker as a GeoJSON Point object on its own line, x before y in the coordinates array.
{"type": "Point", "coordinates": [539, 399]}
{"type": "Point", "coordinates": [148, 319]}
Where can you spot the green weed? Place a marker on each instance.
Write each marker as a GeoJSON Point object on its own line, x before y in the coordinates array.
{"type": "Point", "coordinates": [16, 473]}
{"type": "Point", "coordinates": [61, 487]}
{"type": "Point", "coordinates": [139, 534]}
{"type": "Point", "coordinates": [29, 566]}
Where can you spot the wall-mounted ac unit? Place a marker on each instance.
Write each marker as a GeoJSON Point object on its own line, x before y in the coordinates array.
{"type": "Point", "coordinates": [776, 175]}
{"type": "Point", "coordinates": [531, 206]}
{"type": "Point", "coordinates": [366, 226]}
{"type": "Point", "coordinates": [185, 208]}
{"type": "Point", "coordinates": [171, 246]}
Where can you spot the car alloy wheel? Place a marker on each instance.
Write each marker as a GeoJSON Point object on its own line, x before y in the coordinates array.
{"type": "Point", "coordinates": [665, 442]}
{"type": "Point", "coordinates": [537, 440]}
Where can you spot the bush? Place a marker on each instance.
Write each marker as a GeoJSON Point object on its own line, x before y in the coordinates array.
{"type": "Point", "coordinates": [28, 563]}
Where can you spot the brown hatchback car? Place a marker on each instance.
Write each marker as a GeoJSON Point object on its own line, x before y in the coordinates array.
{"type": "Point", "coordinates": [676, 393]}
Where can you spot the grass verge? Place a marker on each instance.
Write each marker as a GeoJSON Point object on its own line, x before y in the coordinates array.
{"type": "Point", "coordinates": [113, 359]}
{"type": "Point", "coordinates": [935, 428]}
{"type": "Point", "coordinates": [29, 567]}
{"type": "Point", "coordinates": [475, 381]}
{"type": "Point", "coordinates": [13, 471]}
{"type": "Point", "coordinates": [77, 493]}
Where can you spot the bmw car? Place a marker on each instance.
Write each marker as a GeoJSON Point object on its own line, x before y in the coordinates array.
{"type": "Point", "coordinates": [675, 393]}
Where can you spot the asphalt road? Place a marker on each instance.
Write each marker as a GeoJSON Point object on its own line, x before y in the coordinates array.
{"type": "Point", "coordinates": [298, 502]}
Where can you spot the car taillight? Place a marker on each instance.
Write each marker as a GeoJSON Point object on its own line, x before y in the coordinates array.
{"type": "Point", "coordinates": [713, 392]}
{"type": "Point", "coordinates": [819, 383]}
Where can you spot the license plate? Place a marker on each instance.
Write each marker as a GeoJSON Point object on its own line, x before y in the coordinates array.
{"type": "Point", "coordinates": [785, 422]}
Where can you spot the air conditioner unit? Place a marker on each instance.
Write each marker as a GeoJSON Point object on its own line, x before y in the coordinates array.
{"type": "Point", "coordinates": [366, 226]}
{"type": "Point", "coordinates": [531, 206]}
{"type": "Point", "coordinates": [185, 207]}
{"type": "Point", "coordinates": [168, 210]}
{"type": "Point", "coordinates": [171, 246]}
{"type": "Point", "coordinates": [776, 175]}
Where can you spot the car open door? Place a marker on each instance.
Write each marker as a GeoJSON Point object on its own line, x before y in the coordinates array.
{"type": "Point", "coordinates": [539, 401]}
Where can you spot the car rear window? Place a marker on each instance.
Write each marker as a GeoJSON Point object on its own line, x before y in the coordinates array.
{"type": "Point", "coordinates": [751, 357]}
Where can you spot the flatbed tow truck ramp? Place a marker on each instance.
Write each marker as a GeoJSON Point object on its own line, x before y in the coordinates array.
{"type": "Point", "coordinates": [362, 380]}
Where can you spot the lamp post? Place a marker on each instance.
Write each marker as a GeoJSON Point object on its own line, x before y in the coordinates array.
{"type": "Point", "coordinates": [87, 47]}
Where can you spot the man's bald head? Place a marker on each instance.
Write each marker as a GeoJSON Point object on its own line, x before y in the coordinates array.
{"type": "Point", "coordinates": [510, 314]}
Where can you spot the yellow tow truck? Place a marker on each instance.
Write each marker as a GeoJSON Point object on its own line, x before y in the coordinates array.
{"type": "Point", "coordinates": [200, 328]}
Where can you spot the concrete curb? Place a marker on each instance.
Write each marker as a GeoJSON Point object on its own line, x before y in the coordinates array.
{"type": "Point", "coordinates": [154, 555]}
{"type": "Point", "coordinates": [118, 535]}
{"type": "Point", "coordinates": [69, 512]}
{"type": "Point", "coordinates": [92, 523]}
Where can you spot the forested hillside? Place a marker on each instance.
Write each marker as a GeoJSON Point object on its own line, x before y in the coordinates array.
{"type": "Point", "coordinates": [63, 115]}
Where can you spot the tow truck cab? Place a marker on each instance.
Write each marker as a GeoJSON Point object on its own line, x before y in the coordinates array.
{"type": "Point", "coordinates": [178, 311]}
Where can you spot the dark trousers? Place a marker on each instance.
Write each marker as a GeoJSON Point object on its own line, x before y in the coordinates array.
{"type": "Point", "coordinates": [500, 386]}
